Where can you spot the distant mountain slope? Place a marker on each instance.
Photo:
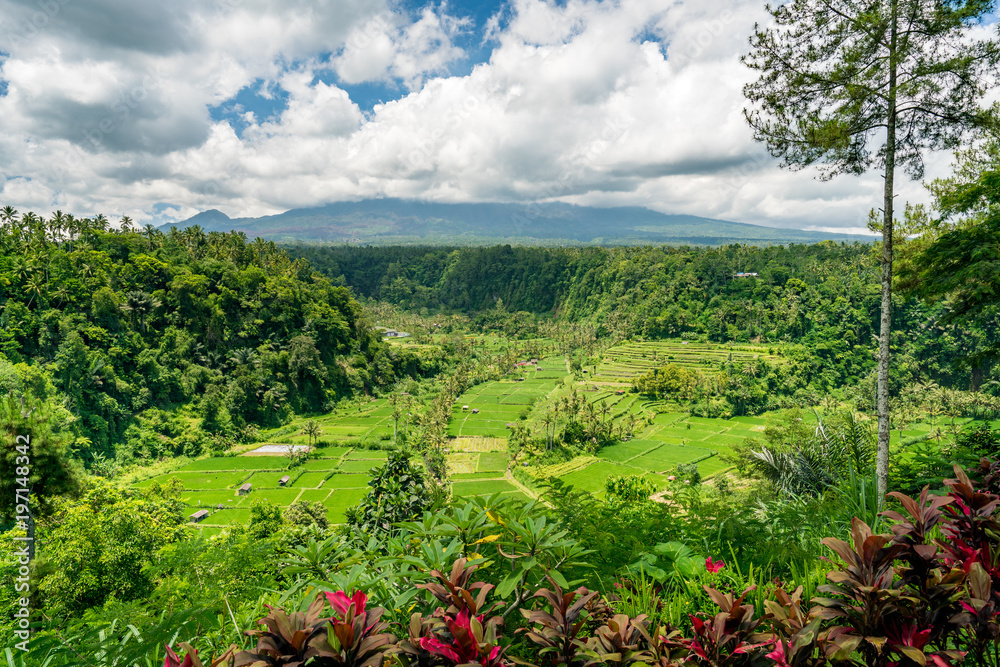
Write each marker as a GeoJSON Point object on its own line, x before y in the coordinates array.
{"type": "Point", "coordinates": [403, 222]}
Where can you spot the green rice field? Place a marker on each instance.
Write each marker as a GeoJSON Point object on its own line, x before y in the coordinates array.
{"type": "Point", "coordinates": [626, 361]}
{"type": "Point", "coordinates": [486, 409]}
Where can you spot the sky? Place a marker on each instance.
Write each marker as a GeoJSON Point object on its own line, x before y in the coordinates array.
{"type": "Point", "coordinates": [158, 110]}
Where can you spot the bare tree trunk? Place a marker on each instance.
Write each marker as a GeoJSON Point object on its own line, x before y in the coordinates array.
{"type": "Point", "coordinates": [885, 328]}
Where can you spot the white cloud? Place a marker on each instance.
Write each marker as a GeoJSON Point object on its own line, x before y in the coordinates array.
{"type": "Point", "coordinates": [631, 102]}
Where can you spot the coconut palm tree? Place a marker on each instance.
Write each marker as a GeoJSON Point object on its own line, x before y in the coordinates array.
{"type": "Point", "coordinates": [141, 304]}
{"type": "Point", "coordinates": [312, 431]}
{"type": "Point", "coordinates": [8, 215]}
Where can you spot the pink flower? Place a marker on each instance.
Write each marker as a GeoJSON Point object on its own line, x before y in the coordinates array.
{"type": "Point", "coordinates": [341, 603]}
{"type": "Point", "coordinates": [713, 567]}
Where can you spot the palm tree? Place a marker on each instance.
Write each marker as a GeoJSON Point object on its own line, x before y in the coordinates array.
{"type": "Point", "coordinates": [34, 289]}
{"type": "Point", "coordinates": [244, 356]}
{"type": "Point", "coordinates": [312, 431]}
{"type": "Point", "coordinates": [548, 421]}
{"type": "Point", "coordinates": [141, 304]}
{"type": "Point", "coordinates": [8, 215]}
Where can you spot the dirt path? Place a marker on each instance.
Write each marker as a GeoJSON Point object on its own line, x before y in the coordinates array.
{"type": "Point", "coordinates": [509, 476]}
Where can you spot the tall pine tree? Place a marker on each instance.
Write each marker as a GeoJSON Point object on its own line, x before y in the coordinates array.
{"type": "Point", "coordinates": [853, 85]}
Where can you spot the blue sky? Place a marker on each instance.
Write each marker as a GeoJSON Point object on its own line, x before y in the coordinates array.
{"type": "Point", "coordinates": [159, 110]}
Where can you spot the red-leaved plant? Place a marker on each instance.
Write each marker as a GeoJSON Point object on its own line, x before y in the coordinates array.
{"type": "Point", "coordinates": [460, 633]}
{"type": "Point", "coordinates": [191, 658]}
{"type": "Point", "coordinates": [352, 637]}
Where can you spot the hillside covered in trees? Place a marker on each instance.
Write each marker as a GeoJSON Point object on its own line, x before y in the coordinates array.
{"type": "Point", "coordinates": [124, 327]}
{"type": "Point", "coordinates": [824, 297]}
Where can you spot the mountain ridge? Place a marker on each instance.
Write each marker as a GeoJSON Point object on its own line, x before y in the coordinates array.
{"type": "Point", "coordinates": [409, 222]}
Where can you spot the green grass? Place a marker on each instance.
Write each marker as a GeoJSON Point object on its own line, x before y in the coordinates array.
{"type": "Point", "coordinates": [331, 451]}
{"type": "Point", "coordinates": [593, 476]}
{"type": "Point", "coordinates": [237, 463]}
{"type": "Point", "coordinates": [283, 497]}
{"type": "Point", "coordinates": [310, 479]}
{"type": "Point", "coordinates": [667, 457]}
{"type": "Point", "coordinates": [489, 461]}
{"type": "Point", "coordinates": [686, 433]}
{"type": "Point", "coordinates": [368, 455]}
{"type": "Point", "coordinates": [626, 450]}
{"type": "Point", "coordinates": [269, 480]}
{"type": "Point", "coordinates": [338, 502]}
{"type": "Point", "coordinates": [341, 481]}
{"type": "Point", "coordinates": [228, 517]}
{"type": "Point", "coordinates": [320, 464]}
{"type": "Point", "coordinates": [312, 495]}
{"type": "Point", "coordinates": [480, 488]}
{"type": "Point", "coordinates": [201, 480]}
{"type": "Point", "coordinates": [711, 466]}
{"type": "Point", "coordinates": [210, 498]}
{"type": "Point", "coordinates": [359, 466]}
{"type": "Point", "coordinates": [477, 475]}
{"type": "Point", "coordinates": [726, 439]}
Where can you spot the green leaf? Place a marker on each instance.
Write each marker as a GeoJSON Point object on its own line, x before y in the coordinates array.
{"type": "Point", "coordinates": [507, 585]}
{"type": "Point", "coordinates": [559, 579]}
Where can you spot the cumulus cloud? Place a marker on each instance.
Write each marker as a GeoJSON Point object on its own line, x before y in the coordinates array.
{"type": "Point", "coordinates": [389, 47]}
{"type": "Point", "coordinates": [626, 102]}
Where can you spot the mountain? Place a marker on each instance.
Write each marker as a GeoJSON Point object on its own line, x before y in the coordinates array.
{"type": "Point", "coordinates": [407, 222]}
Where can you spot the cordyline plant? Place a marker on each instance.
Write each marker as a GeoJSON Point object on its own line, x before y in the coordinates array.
{"type": "Point", "coordinates": [730, 638]}
{"type": "Point", "coordinates": [191, 658]}
{"type": "Point", "coordinates": [557, 632]}
{"type": "Point", "coordinates": [913, 598]}
{"type": "Point", "coordinates": [460, 633]}
{"type": "Point", "coordinates": [352, 637]}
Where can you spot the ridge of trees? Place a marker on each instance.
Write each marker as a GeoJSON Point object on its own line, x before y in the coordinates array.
{"type": "Point", "coordinates": [122, 326]}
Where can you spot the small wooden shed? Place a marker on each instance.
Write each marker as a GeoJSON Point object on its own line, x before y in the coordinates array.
{"type": "Point", "coordinates": [245, 489]}
{"type": "Point", "coordinates": [198, 516]}
{"type": "Point", "coordinates": [283, 480]}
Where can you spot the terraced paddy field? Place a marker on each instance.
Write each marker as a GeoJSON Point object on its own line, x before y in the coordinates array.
{"type": "Point", "coordinates": [364, 422]}
{"type": "Point", "coordinates": [338, 481]}
{"type": "Point", "coordinates": [659, 448]}
{"type": "Point", "coordinates": [623, 363]}
{"type": "Point", "coordinates": [486, 409]}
